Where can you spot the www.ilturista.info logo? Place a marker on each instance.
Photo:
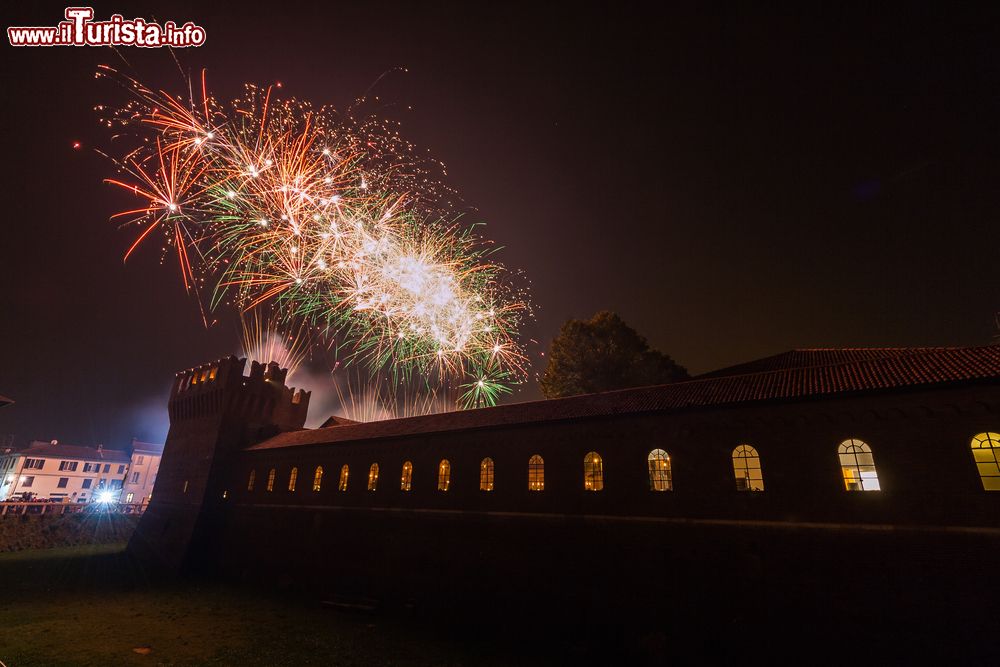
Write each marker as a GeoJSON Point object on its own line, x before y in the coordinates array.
{"type": "Point", "coordinates": [80, 30]}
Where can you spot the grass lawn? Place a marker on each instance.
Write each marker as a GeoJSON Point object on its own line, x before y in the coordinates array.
{"type": "Point", "coordinates": [89, 606]}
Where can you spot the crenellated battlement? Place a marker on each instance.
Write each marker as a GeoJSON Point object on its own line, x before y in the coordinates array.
{"type": "Point", "coordinates": [220, 387]}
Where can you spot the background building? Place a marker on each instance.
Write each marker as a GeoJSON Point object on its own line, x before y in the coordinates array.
{"type": "Point", "coordinates": [53, 471]}
{"type": "Point", "coordinates": [141, 475]}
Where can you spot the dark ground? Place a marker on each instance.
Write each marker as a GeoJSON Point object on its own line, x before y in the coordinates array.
{"type": "Point", "coordinates": [91, 606]}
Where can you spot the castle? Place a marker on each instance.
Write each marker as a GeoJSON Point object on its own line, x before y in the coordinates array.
{"type": "Point", "coordinates": [854, 474]}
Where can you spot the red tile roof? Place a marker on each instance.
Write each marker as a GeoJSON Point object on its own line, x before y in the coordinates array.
{"type": "Point", "coordinates": [42, 449]}
{"type": "Point", "coordinates": [792, 375]}
{"type": "Point", "coordinates": [803, 358]}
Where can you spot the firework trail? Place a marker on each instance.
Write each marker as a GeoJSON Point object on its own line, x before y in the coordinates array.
{"type": "Point", "coordinates": [332, 223]}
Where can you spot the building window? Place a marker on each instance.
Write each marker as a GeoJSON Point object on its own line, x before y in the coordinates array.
{"type": "Point", "coordinates": [253, 478]}
{"type": "Point", "coordinates": [135, 478]}
{"type": "Point", "coordinates": [68, 465]}
{"type": "Point", "coordinates": [486, 474]}
{"type": "Point", "coordinates": [318, 478]}
{"type": "Point", "coordinates": [292, 478]}
{"type": "Point", "coordinates": [661, 477]}
{"type": "Point", "coordinates": [86, 483]}
{"type": "Point", "coordinates": [129, 497]}
{"type": "Point", "coordinates": [344, 472]}
{"type": "Point", "coordinates": [107, 467]}
{"type": "Point", "coordinates": [986, 454]}
{"type": "Point", "coordinates": [536, 473]}
{"type": "Point", "coordinates": [746, 467]}
{"type": "Point", "coordinates": [858, 466]}
{"type": "Point", "coordinates": [271, 474]}
{"type": "Point", "coordinates": [593, 472]}
{"type": "Point", "coordinates": [139, 460]}
{"type": "Point", "coordinates": [121, 469]}
{"type": "Point", "coordinates": [63, 482]}
{"type": "Point", "coordinates": [185, 487]}
{"type": "Point", "coordinates": [373, 477]}
{"type": "Point", "coordinates": [406, 481]}
{"type": "Point", "coordinates": [444, 475]}
{"type": "Point", "coordinates": [27, 481]}
{"type": "Point", "coordinates": [35, 464]}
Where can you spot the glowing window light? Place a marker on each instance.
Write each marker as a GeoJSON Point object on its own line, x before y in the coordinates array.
{"type": "Point", "coordinates": [486, 474]}
{"type": "Point", "coordinates": [373, 477]}
{"type": "Point", "coordinates": [536, 473]}
{"type": "Point", "coordinates": [444, 475]}
{"type": "Point", "coordinates": [252, 480]}
{"type": "Point", "coordinates": [344, 472]}
{"type": "Point", "coordinates": [406, 481]}
{"type": "Point", "coordinates": [660, 474]}
{"type": "Point", "coordinates": [986, 454]}
{"type": "Point", "coordinates": [318, 478]}
{"type": "Point", "coordinates": [593, 472]}
{"type": "Point", "coordinates": [746, 468]}
{"type": "Point", "coordinates": [293, 477]}
{"type": "Point", "coordinates": [272, 473]}
{"type": "Point", "coordinates": [858, 466]}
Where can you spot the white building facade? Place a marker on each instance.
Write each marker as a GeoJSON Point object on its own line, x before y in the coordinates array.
{"type": "Point", "coordinates": [141, 475]}
{"type": "Point", "coordinates": [63, 473]}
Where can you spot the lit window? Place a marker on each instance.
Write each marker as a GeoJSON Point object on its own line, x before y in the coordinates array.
{"type": "Point", "coordinates": [318, 478]}
{"type": "Point", "coordinates": [344, 471]}
{"type": "Point", "coordinates": [444, 475]}
{"type": "Point", "coordinates": [253, 478]}
{"type": "Point", "coordinates": [292, 478]}
{"type": "Point", "coordinates": [858, 466]}
{"type": "Point", "coordinates": [186, 487]}
{"type": "Point", "coordinates": [986, 454]}
{"type": "Point", "coordinates": [270, 479]}
{"type": "Point", "coordinates": [593, 472]}
{"type": "Point", "coordinates": [373, 477]}
{"type": "Point", "coordinates": [536, 473]}
{"type": "Point", "coordinates": [129, 497]}
{"type": "Point", "coordinates": [661, 477]}
{"type": "Point", "coordinates": [406, 481]}
{"type": "Point", "coordinates": [486, 474]}
{"type": "Point", "coordinates": [746, 467]}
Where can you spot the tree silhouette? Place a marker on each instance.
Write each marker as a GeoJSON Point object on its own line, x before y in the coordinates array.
{"type": "Point", "coordinates": [602, 354]}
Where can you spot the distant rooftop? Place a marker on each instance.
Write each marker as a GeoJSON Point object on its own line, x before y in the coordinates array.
{"type": "Point", "coordinates": [147, 447]}
{"type": "Point", "coordinates": [42, 449]}
{"type": "Point", "coordinates": [797, 374]}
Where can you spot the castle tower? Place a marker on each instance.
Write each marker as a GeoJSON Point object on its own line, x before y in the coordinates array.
{"type": "Point", "coordinates": [215, 411]}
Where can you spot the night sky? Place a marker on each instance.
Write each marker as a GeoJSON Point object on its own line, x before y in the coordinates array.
{"type": "Point", "coordinates": [733, 184]}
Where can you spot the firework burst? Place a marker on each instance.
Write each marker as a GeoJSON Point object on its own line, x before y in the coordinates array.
{"type": "Point", "coordinates": [330, 222]}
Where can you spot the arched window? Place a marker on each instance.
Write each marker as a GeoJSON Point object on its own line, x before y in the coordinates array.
{"type": "Point", "coordinates": [318, 478]}
{"type": "Point", "coordinates": [661, 478]}
{"type": "Point", "coordinates": [536, 473]}
{"type": "Point", "coordinates": [486, 474]}
{"type": "Point", "coordinates": [746, 467]}
{"type": "Point", "coordinates": [593, 472]}
{"type": "Point", "coordinates": [444, 475]}
{"type": "Point", "coordinates": [373, 477]}
{"type": "Point", "coordinates": [858, 466]}
{"type": "Point", "coordinates": [344, 471]}
{"type": "Point", "coordinates": [270, 479]}
{"type": "Point", "coordinates": [406, 481]}
{"type": "Point", "coordinates": [986, 453]}
{"type": "Point", "coordinates": [292, 478]}
{"type": "Point", "coordinates": [252, 480]}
